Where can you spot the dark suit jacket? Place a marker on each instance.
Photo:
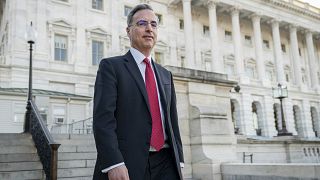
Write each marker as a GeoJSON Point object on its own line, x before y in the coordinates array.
{"type": "Point", "coordinates": [121, 116]}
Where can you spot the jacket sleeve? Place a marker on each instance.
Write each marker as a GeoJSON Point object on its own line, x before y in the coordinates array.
{"type": "Point", "coordinates": [104, 120]}
{"type": "Point", "coordinates": [174, 121]}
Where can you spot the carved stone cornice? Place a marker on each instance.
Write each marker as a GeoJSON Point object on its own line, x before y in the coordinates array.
{"type": "Point", "coordinates": [291, 6]}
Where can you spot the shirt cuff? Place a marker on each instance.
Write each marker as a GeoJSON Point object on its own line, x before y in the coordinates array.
{"type": "Point", "coordinates": [111, 167]}
{"type": "Point", "coordinates": [181, 164]}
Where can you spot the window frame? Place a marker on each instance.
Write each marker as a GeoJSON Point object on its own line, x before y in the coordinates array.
{"type": "Point", "coordinates": [97, 7]}
{"type": "Point", "coordinates": [66, 48]}
{"type": "Point", "coordinates": [101, 42]}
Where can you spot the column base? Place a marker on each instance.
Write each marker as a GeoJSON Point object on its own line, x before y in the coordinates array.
{"type": "Point", "coordinates": [284, 132]}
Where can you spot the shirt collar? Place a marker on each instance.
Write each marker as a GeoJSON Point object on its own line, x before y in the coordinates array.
{"type": "Point", "coordinates": [138, 56]}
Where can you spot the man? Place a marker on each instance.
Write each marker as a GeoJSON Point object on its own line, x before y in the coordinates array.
{"type": "Point", "coordinates": [135, 119]}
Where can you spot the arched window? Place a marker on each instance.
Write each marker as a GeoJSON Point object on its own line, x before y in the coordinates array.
{"type": "Point", "coordinates": [297, 119]}
{"type": "Point", "coordinates": [315, 121]}
{"type": "Point", "coordinates": [257, 117]}
{"type": "Point", "coordinates": [235, 115]}
{"type": "Point", "coordinates": [277, 116]}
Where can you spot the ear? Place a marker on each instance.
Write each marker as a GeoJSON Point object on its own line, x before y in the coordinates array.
{"type": "Point", "coordinates": [128, 31]}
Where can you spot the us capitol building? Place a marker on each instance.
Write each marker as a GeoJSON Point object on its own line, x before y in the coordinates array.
{"type": "Point", "coordinates": [226, 56]}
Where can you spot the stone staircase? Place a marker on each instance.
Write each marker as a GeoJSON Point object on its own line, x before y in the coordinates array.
{"type": "Point", "coordinates": [77, 156]}
{"type": "Point", "coordinates": [18, 158]}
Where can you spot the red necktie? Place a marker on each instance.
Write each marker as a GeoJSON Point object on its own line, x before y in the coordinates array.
{"type": "Point", "coordinates": [157, 137]}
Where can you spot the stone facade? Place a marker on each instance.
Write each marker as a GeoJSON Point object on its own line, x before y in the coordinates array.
{"type": "Point", "coordinates": [257, 43]}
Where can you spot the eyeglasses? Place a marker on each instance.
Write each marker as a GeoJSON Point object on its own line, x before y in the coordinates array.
{"type": "Point", "coordinates": [144, 23]}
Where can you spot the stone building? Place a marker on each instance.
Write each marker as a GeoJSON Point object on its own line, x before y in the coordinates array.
{"type": "Point", "coordinates": [257, 43]}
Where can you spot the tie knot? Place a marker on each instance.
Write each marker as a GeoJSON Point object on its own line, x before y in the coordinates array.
{"type": "Point", "coordinates": [146, 60]}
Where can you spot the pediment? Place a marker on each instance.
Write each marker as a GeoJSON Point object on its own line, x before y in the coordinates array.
{"type": "Point", "coordinates": [269, 63]}
{"type": "Point", "coordinates": [229, 57]}
{"type": "Point", "coordinates": [61, 22]}
{"type": "Point", "coordinates": [161, 43]}
{"type": "Point", "coordinates": [98, 30]}
{"type": "Point", "coordinates": [250, 61]}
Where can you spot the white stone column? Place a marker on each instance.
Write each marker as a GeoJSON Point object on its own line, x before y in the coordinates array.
{"type": "Point", "coordinates": [269, 126]}
{"type": "Point", "coordinates": [295, 54]}
{"type": "Point", "coordinates": [277, 51]}
{"type": "Point", "coordinates": [246, 108]}
{"type": "Point", "coordinates": [188, 33]}
{"type": "Point", "coordinates": [312, 63]}
{"type": "Point", "coordinates": [216, 61]}
{"type": "Point", "coordinates": [41, 27]}
{"type": "Point", "coordinates": [258, 46]}
{"type": "Point", "coordinates": [306, 123]}
{"type": "Point", "coordinates": [115, 40]}
{"type": "Point", "coordinates": [237, 42]}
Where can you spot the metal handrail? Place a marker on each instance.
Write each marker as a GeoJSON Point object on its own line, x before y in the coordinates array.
{"type": "Point", "coordinates": [82, 128]}
{"type": "Point", "coordinates": [46, 147]}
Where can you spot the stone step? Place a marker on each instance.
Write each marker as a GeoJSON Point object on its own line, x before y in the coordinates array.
{"type": "Point", "coordinates": [77, 178]}
{"type": "Point", "coordinates": [19, 157]}
{"type": "Point", "coordinates": [17, 149]}
{"type": "Point", "coordinates": [20, 166]}
{"type": "Point", "coordinates": [77, 156]}
{"type": "Point", "coordinates": [83, 137]}
{"type": "Point", "coordinates": [16, 142]}
{"type": "Point", "coordinates": [77, 148]}
{"type": "Point", "coordinates": [76, 163]}
{"type": "Point", "coordinates": [8, 136]}
{"type": "Point", "coordinates": [19, 175]}
{"type": "Point", "coordinates": [75, 172]}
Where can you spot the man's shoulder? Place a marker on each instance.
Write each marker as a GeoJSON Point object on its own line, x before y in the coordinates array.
{"type": "Point", "coordinates": [161, 68]}
{"type": "Point", "coordinates": [114, 59]}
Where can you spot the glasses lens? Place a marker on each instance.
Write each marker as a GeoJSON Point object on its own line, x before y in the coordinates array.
{"type": "Point", "coordinates": [154, 24]}
{"type": "Point", "coordinates": [142, 23]}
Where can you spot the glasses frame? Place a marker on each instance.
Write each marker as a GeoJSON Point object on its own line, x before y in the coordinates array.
{"type": "Point", "coordinates": [145, 23]}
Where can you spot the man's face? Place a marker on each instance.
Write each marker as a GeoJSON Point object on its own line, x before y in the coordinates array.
{"type": "Point", "coordinates": [142, 31]}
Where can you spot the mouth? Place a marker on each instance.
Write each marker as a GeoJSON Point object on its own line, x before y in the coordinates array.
{"type": "Point", "coordinates": [148, 37]}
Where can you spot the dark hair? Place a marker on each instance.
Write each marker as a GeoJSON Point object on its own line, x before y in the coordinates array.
{"type": "Point", "coordinates": [137, 8]}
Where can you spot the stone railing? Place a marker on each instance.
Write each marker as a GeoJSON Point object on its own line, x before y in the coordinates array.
{"type": "Point", "coordinates": [46, 147]}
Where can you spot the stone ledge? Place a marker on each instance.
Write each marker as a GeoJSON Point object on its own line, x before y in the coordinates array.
{"type": "Point", "coordinates": [200, 76]}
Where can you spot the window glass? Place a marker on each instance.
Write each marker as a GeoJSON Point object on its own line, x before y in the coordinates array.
{"type": "Point", "coordinates": [97, 4]}
{"type": "Point", "coordinates": [228, 35]}
{"type": "Point", "coordinates": [181, 24]}
{"type": "Point", "coordinates": [127, 10]}
{"type": "Point", "coordinates": [160, 18]}
{"type": "Point", "coordinates": [266, 44]}
{"type": "Point", "coordinates": [247, 40]}
{"type": "Point", "coordinates": [60, 47]}
{"type": "Point", "coordinates": [206, 31]}
{"type": "Point", "coordinates": [97, 52]}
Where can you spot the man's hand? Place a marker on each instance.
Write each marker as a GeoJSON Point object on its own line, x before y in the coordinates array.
{"type": "Point", "coordinates": [118, 173]}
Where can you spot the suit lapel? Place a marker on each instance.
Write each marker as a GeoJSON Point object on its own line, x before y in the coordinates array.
{"type": "Point", "coordinates": [161, 83]}
{"type": "Point", "coordinates": [133, 69]}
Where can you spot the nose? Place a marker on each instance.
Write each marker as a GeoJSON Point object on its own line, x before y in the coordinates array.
{"type": "Point", "coordinates": [149, 27]}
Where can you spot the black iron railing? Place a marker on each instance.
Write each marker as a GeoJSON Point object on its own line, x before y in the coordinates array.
{"type": "Point", "coordinates": [46, 147]}
{"type": "Point", "coordinates": [83, 126]}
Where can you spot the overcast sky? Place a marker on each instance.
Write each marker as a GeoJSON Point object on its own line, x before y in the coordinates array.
{"type": "Point", "coordinates": [315, 3]}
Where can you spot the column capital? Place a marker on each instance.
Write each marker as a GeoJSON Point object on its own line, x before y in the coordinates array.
{"type": "Point", "coordinates": [212, 3]}
{"type": "Point", "coordinates": [256, 16]}
{"type": "Point", "coordinates": [235, 10]}
{"type": "Point", "coordinates": [186, 1]}
{"type": "Point", "coordinates": [274, 22]}
{"type": "Point", "coordinates": [293, 27]}
{"type": "Point", "coordinates": [308, 31]}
